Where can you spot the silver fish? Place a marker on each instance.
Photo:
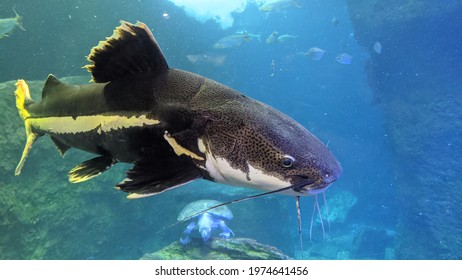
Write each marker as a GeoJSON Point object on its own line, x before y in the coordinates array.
{"type": "Point", "coordinates": [272, 38]}
{"type": "Point", "coordinates": [315, 53]}
{"type": "Point", "coordinates": [7, 25]}
{"type": "Point", "coordinates": [286, 37]}
{"type": "Point", "coordinates": [335, 21]}
{"type": "Point", "coordinates": [344, 58]}
{"type": "Point", "coordinates": [234, 40]}
{"type": "Point", "coordinates": [250, 35]}
{"type": "Point", "coordinates": [209, 59]}
{"type": "Point", "coordinates": [377, 47]}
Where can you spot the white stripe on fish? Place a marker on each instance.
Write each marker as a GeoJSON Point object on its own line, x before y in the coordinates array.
{"type": "Point", "coordinates": [81, 124]}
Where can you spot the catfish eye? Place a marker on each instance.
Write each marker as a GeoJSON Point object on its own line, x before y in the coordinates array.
{"type": "Point", "coordinates": [287, 161]}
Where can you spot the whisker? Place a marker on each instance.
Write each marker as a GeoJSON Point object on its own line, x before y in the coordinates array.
{"type": "Point", "coordinates": [312, 218]}
{"type": "Point", "coordinates": [297, 204]}
{"type": "Point", "coordinates": [327, 209]}
{"type": "Point", "coordinates": [320, 216]}
{"type": "Point", "coordinates": [295, 187]}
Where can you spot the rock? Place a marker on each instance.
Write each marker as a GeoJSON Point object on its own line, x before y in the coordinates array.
{"type": "Point", "coordinates": [372, 243]}
{"type": "Point", "coordinates": [218, 249]}
{"type": "Point", "coordinates": [352, 241]}
{"type": "Point", "coordinates": [339, 205]}
{"type": "Point", "coordinates": [417, 80]}
{"type": "Point", "coordinates": [381, 16]}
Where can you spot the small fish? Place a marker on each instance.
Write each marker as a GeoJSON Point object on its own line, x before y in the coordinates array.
{"type": "Point", "coordinates": [377, 47]}
{"type": "Point", "coordinates": [278, 5]}
{"type": "Point", "coordinates": [344, 58]}
{"type": "Point", "coordinates": [272, 38]}
{"type": "Point", "coordinates": [335, 21]}
{"type": "Point", "coordinates": [250, 35]}
{"type": "Point", "coordinates": [273, 67]}
{"type": "Point", "coordinates": [7, 25]}
{"type": "Point", "coordinates": [209, 59]}
{"type": "Point", "coordinates": [286, 37]}
{"type": "Point", "coordinates": [315, 53]}
{"type": "Point", "coordinates": [234, 40]}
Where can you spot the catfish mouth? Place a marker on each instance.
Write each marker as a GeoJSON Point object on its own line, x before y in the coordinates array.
{"type": "Point", "coordinates": [306, 185]}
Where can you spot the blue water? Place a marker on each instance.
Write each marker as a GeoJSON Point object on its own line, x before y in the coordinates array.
{"type": "Point", "coordinates": [332, 100]}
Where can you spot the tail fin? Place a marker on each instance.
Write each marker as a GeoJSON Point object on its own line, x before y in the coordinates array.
{"type": "Point", "coordinates": [23, 99]}
{"type": "Point", "coordinates": [258, 38]}
{"type": "Point", "coordinates": [19, 20]}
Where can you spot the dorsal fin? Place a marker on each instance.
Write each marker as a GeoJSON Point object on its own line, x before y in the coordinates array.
{"type": "Point", "coordinates": [130, 50]}
{"type": "Point", "coordinates": [52, 84]}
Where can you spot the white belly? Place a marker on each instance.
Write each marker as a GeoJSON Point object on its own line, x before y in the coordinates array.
{"type": "Point", "coordinates": [222, 172]}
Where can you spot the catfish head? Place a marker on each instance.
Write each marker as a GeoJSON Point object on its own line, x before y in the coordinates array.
{"type": "Point", "coordinates": [249, 143]}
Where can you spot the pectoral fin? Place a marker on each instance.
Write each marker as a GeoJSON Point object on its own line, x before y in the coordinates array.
{"type": "Point", "coordinates": [90, 168]}
{"type": "Point", "coordinates": [178, 149]}
{"type": "Point", "coordinates": [151, 176]}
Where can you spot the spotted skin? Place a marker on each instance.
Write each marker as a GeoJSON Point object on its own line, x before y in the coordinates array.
{"type": "Point", "coordinates": [245, 131]}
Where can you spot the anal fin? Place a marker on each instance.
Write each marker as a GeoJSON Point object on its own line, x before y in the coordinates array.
{"type": "Point", "coordinates": [155, 175]}
{"type": "Point", "coordinates": [62, 148]}
{"type": "Point", "coordinates": [90, 168]}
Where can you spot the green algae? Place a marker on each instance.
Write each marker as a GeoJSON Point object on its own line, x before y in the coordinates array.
{"type": "Point", "coordinates": [218, 249]}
